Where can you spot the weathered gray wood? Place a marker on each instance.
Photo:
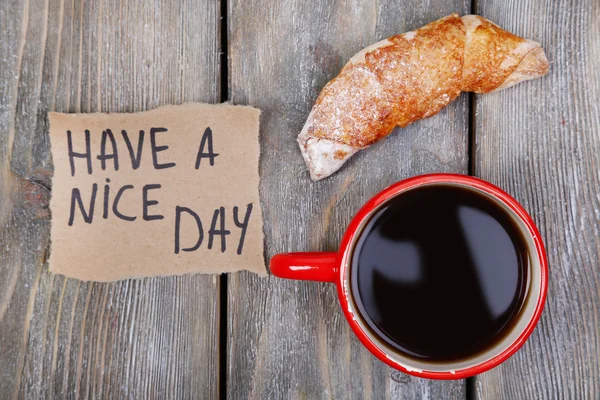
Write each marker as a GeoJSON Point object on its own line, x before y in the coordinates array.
{"type": "Point", "coordinates": [289, 339]}
{"type": "Point", "coordinates": [541, 142]}
{"type": "Point", "coordinates": [151, 338]}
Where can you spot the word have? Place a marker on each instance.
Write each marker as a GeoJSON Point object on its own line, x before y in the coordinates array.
{"type": "Point", "coordinates": [106, 154]}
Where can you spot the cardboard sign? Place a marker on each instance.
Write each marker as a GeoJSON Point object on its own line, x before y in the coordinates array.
{"type": "Point", "coordinates": [163, 192]}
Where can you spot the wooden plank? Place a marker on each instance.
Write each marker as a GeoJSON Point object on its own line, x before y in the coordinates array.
{"type": "Point", "coordinates": [540, 141]}
{"type": "Point", "coordinates": [290, 339]}
{"type": "Point", "coordinates": [61, 337]}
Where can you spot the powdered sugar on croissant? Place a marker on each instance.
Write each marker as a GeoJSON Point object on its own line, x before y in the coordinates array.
{"type": "Point", "coordinates": [408, 77]}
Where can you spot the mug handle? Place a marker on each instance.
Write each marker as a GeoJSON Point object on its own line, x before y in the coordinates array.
{"type": "Point", "coordinates": [322, 267]}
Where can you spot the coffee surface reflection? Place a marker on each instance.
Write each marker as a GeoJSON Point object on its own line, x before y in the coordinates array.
{"type": "Point", "coordinates": [440, 272]}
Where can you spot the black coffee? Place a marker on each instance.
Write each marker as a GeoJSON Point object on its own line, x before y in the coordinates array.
{"type": "Point", "coordinates": [440, 272]}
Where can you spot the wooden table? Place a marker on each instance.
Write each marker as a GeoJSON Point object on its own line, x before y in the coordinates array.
{"type": "Point", "coordinates": [241, 336]}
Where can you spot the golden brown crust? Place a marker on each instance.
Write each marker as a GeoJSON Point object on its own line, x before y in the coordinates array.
{"type": "Point", "coordinates": [413, 76]}
{"type": "Point", "coordinates": [340, 154]}
{"type": "Point", "coordinates": [532, 66]}
{"type": "Point", "coordinates": [489, 55]}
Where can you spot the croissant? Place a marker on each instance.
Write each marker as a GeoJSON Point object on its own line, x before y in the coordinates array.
{"type": "Point", "coordinates": [408, 77]}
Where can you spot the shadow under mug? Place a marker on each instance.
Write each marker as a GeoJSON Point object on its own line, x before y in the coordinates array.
{"type": "Point", "coordinates": [335, 266]}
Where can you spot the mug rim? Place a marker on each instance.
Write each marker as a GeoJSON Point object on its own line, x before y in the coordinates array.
{"type": "Point", "coordinates": [353, 231]}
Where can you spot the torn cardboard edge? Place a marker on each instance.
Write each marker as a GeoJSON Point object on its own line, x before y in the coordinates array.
{"type": "Point", "coordinates": [168, 191]}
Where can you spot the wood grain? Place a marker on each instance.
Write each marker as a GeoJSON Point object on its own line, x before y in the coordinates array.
{"type": "Point", "coordinates": [59, 338]}
{"type": "Point", "coordinates": [540, 141]}
{"type": "Point", "coordinates": [289, 339]}
{"type": "Point", "coordinates": [158, 338]}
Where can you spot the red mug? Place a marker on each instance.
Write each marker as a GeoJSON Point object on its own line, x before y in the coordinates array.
{"type": "Point", "coordinates": [334, 267]}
